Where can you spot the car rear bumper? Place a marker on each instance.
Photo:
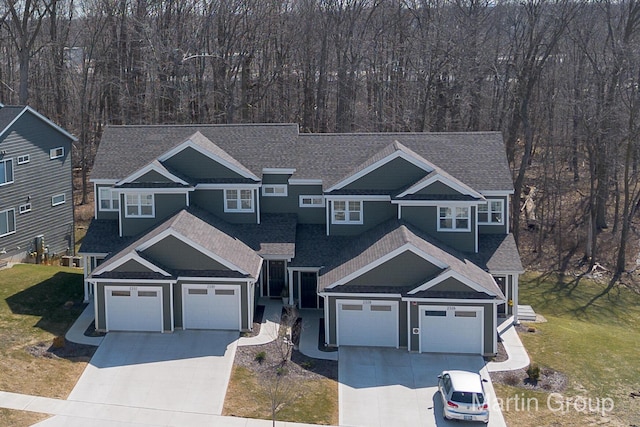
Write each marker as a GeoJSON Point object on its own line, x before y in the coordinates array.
{"type": "Point", "coordinates": [481, 416]}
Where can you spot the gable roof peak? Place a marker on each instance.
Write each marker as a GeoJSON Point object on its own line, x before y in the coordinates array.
{"type": "Point", "coordinates": [207, 147]}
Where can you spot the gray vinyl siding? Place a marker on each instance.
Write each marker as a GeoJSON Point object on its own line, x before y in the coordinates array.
{"type": "Point", "coordinates": [101, 322]}
{"type": "Point", "coordinates": [405, 269]}
{"type": "Point", "coordinates": [496, 229]}
{"type": "Point", "coordinates": [175, 254]}
{"type": "Point", "coordinates": [308, 215]}
{"type": "Point", "coordinates": [166, 204]}
{"type": "Point", "coordinates": [100, 214]}
{"type": "Point", "coordinates": [153, 176]}
{"type": "Point", "coordinates": [402, 313]}
{"type": "Point", "coordinates": [438, 188]}
{"type": "Point", "coordinates": [426, 219]}
{"type": "Point", "coordinates": [36, 182]}
{"type": "Point", "coordinates": [489, 324]}
{"type": "Point", "coordinates": [213, 202]}
{"type": "Point", "coordinates": [131, 266]}
{"type": "Point", "coordinates": [373, 214]}
{"type": "Point", "coordinates": [291, 203]}
{"type": "Point", "coordinates": [394, 175]}
{"type": "Point", "coordinates": [191, 163]}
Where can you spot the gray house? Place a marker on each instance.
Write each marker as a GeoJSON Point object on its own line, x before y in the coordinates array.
{"type": "Point", "coordinates": [402, 239]}
{"type": "Point", "coordinates": [36, 205]}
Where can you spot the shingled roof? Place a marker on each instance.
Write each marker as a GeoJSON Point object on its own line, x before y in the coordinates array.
{"type": "Point", "coordinates": [390, 236]}
{"type": "Point", "coordinates": [192, 225]}
{"type": "Point", "coordinates": [475, 158]}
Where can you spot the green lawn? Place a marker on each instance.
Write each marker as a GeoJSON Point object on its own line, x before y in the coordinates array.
{"type": "Point", "coordinates": [32, 310]}
{"type": "Point", "coordinates": [595, 342]}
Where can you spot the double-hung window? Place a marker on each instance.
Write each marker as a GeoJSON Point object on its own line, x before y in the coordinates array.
{"type": "Point", "coordinates": [139, 205]}
{"type": "Point", "coordinates": [454, 218]}
{"type": "Point", "coordinates": [238, 200]}
{"type": "Point", "coordinates": [6, 171]}
{"type": "Point", "coordinates": [7, 222]}
{"type": "Point", "coordinates": [346, 212]}
{"type": "Point", "coordinates": [491, 212]}
{"type": "Point", "coordinates": [109, 200]}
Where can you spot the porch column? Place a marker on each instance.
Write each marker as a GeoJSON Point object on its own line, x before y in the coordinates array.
{"type": "Point", "coordinates": [290, 285]}
{"type": "Point", "coordinates": [515, 300]}
{"type": "Point", "coordinates": [87, 285]}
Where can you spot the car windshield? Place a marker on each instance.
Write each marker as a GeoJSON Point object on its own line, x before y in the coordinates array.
{"type": "Point", "coordinates": [467, 397]}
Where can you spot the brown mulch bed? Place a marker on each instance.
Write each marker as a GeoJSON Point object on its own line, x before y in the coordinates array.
{"type": "Point", "coordinates": [501, 356]}
{"type": "Point", "coordinates": [70, 350]}
{"type": "Point", "coordinates": [550, 380]}
{"type": "Point", "coordinates": [265, 359]}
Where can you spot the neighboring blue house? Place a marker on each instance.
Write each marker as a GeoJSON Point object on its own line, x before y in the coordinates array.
{"type": "Point", "coordinates": [36, 204]}
{"type": "Point", "coordinates": [402, 239]}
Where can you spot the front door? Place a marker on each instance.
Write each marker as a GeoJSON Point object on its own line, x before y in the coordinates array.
{"type": "Point", "coordinates": [308, 286]}
{"type": "Point", "coordinates": [276, 277]}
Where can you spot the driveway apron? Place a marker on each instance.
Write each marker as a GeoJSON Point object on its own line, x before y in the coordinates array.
{"type": "Point", "coordinates": [389, 387]}
{"type": "Point", "coordinates": [185, 371]}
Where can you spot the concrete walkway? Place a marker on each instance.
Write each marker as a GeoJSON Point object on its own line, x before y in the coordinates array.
{"type": "Point", "coordinates": [518, 357]}
{"type": "Point", "coordinates": [309, 336]}
{"type": "Point", "coordinates": [76, 331]}
{"type": "Point", "coordinates": [269, 326]}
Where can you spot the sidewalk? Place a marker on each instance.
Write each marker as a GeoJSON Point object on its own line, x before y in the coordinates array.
{"type": "Point", "coordinates": [269, 326]}
{"type": "Point", "coordinates": [518, 357]}
{"type": "Point", "coordinates": [76, 414]}
{"type": "Point", "coordinates": [309, 335]}
{"type": "Point", "coordinates": [76, 331]}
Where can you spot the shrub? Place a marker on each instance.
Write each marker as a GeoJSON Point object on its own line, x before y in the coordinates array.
{"type": "Point", "coordinates": [58, 342]}
{"type": "Point", "coordinates": [260, 356]}
{"type": "Point", "coordinates": [307, 364]}
{"type": "Point", "coordinates": [533, 371]}
{"type": "Point", "coordinates": [531, 329]}
{"type": "Point", "coordinates": [511, 379]}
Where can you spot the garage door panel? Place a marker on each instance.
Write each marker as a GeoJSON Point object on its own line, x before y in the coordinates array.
{"type": "Point", "coordinates": [451, 329]}
{"type": "Point", "coordinates": [367, 324]}
{"type": "Point", "coordinates": [211, 307]}
{"type": "Point", "coordinates": [133, 308]}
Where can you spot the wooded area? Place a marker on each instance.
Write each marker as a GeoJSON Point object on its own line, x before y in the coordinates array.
{"type": "Point", "coordinates": [559, 78]}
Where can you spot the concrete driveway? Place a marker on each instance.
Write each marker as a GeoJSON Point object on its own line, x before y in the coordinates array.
{"type": "Point", "coordinates": [386, 387]}
{"type": "Point", "coordinates": [186, 371]}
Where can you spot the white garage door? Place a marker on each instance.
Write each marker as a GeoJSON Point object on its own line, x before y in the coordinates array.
{"type": "Point", "coordinates": [133, 308]}
{"type": "Point", "coordinates": [367, 323]}
{"type": "Point", "coordinates": [451, 329]}
{"type": "Point", "coordinates": [211, 307]}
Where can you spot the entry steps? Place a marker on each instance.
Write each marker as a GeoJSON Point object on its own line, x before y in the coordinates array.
{"type": "Point", "coordinates": [526, 313]}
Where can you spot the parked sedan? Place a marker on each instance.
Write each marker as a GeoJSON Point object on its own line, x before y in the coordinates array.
{"type": "Point", "coordinates": [463, 396]}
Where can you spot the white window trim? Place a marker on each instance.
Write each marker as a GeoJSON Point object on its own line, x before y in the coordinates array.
{"type": "Point", "coordinates": [14, 221]}
{"type": "Point", "coordinates": [139, 206]}
{"type": "Point", "coordinates": [313, 199]}
{"type": "Point", "coordinates": [275, 188]}
{"type": "Point", "coordinates": [64, 199]}
{"type": "Point", "coordinates": [489, 216]}
{"type": "Point", "coordinates": [111, 198]}
{"type": "Point", "coordinates": [346, 211]}
{"type": "Point", "coordinates": [23, 159]}
{"type": "Point", "coordinates": [238, 199]}
{"type": "Point", "coordinates": [5, 169]}
{"type": "Point", "coordinates": [24, 208]}
{"type": "Point", "coordinates": [53, 153]}
{"type": "Point", "coordinates": [454, 219]}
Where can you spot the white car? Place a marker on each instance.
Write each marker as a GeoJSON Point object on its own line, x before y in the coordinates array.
{"type": "Point", "coordinates": [463, 396]}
